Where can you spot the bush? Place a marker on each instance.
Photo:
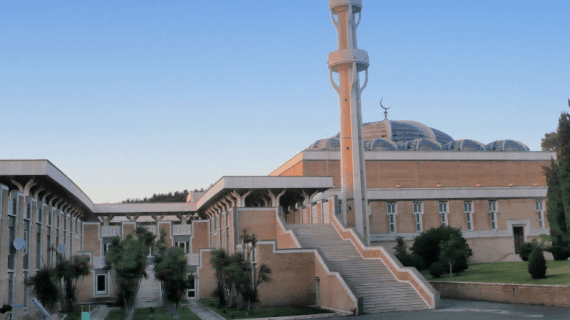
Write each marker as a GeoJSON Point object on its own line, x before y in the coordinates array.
{"type": "Point", "coordinates": [426, 245]}
{"type": "Point", "coordinates": [412, 260]}
{"type": "Point", "coordinates": [526, 249]}
{"type": "Point", "coordinates": [417, 262]}
{"type": "Point", "coordinates": [560, 253]}
{"type": "Point", "coordinates": [436, 270]}
{"type": "Point", "coordinates": [400, 248]}
{"type": "Point", "coordinates": [537, 264]}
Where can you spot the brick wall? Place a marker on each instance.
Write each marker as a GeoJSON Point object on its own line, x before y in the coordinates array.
{"type": "Point", "coordinates": [550, 295]}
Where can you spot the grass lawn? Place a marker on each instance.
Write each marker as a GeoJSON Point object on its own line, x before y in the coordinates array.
{"type": "Point", "coordinates": [232, 313]}
{"type": "Point", "coordinates": [557, 272]}
{"type": "Point", "coordinates": [159, 314]}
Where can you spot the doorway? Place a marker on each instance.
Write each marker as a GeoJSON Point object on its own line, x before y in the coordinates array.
{"type": "Point", "coordinates": [518, 237]}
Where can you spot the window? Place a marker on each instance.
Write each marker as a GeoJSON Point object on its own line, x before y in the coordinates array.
{"type": "Point", "coordinates": [11, 293]}
{"type": "Point", "coordinates": [468, 209]}
{"type": "Point", "coordinates": [191, 292]}
{"type": "Point", "coordinates": [39, 237]}
{"type": "Point", "coordinates": [183, 245]}
{"type": "Point", "coordinates": [391, 210]}
{"type": "Point", "coordinates": [11, 238]}
{"type": "Point", "coordinates": [339, 207]}
{"type": "Point", "coordinates": [26, 291]}
{"type": "Point", "coordinates": [493, 213]}
{"type": "Point", "coordinates": [443, 212]}
{"type": "Point", "coordinates": [101, 284]}
{"type": "Point", "coordinates": [253, 256]}
{"type": "Point", "coordinates": [539, 210]}
{"type": "Point", "coordinates": [106, 248]}
{"type": "Point", "coordinates": [27, 215]}
{"type": "Point", "coordinates": [48, 238]}
{"type": "Point", "coordinates": [38, 245]}
{"type": "Point", "coordinates": [418, 211]}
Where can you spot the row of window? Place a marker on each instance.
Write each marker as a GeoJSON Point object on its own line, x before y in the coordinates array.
{"type": "Point", "coordinates": [13, 217]}
{"type": "Point", "coordinates": [468, 210]}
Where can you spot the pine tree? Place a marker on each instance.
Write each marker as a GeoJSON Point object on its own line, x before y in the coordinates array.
{"type": "Point", "coordinates": [563, 171]}
{"type": "Point", "coordinates": [558, 181]}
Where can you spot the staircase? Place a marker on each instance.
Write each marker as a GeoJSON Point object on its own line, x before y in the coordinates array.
{"type": "Point", "coordinates": [149, 291]}
{"type": "Point", "coordinates": [367, 278]}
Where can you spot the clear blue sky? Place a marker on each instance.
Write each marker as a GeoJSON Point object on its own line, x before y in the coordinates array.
{"type": "Point", "coordinates": [131, 98]}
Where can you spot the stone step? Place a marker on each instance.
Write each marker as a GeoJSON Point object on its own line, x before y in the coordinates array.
{"type": "Point", "coordinates": [368, 278]}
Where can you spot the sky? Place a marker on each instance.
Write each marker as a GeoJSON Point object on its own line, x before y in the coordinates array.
{"type": "Point", "coordinates": [131, 98]}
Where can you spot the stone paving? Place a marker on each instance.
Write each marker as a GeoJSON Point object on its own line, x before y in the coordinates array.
{"type": "Point", "coordinates": [100, 313]}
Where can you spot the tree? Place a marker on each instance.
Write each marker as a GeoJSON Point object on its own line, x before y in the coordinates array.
{"type": "Point", "coordinates": [219, 260]}
{"type": "Point", "coordinates": [170, 269]}
{"type": "Point", "coordinates": [558, 181]}
{"type": "Point", "coordinates": [71, 272]}
{"type": "Point", "coordinates": [250, 291]}
{"type": "Point", "coordinates": [237, 275]}
{"type": "Point", "coordinates": [452, 251]}
{"type": "Point", "coordinates": [44, 286]}
{"type": "Point", "coordinates": [162, 197]}
{"type": "Point", "coordinates": [426, 245]}
{"type": "Point", "coordinates": [127, 260]}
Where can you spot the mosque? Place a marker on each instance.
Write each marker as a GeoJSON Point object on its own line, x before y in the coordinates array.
{"type": "Point", "coordinates": [326, 220]}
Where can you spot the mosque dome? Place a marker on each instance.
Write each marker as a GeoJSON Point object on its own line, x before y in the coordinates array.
{"type": "Point", "coordinates": [423, 145]}
{"type": "Point", "coordinates": [380, 144]}
{"type": "Point", "coordinates": [465, 145]}
{"type": "Point", "coordinates": [394, 135]}
{"type": "Point", "coordinates": [506, 145]}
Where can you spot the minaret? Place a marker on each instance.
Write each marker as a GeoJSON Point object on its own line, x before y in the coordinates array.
{"type": "Point", "coordinates": [348, 61]}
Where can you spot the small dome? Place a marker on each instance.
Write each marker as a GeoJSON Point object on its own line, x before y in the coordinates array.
{"type": "Point", "coordinates": [423, 145]}
{"type": "Point", "coordinates": [465, 145]}
{"type": "Point", "coordinates": [380, 145]}
{"type": "Point", "coordinates": [506, 145]}
{"type": "Point", "coordinates": [330, 144]}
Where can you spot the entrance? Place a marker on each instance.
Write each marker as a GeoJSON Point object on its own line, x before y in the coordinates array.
{"type": "Point", "coordinates": [518, 235]}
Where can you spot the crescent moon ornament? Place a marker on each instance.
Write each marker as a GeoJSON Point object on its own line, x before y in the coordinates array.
{"type": "Point", "coordinates": [385, 109]}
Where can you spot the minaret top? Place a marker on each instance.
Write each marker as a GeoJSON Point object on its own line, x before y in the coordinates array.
{"type": "Point", "coordinates": [385, 109]}
{"type": "Point", "coordinates": [356, 4]}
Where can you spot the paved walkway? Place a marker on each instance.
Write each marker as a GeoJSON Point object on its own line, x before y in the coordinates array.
{"type": "Point", "coordinates": [100, 313]}
{"type": "Point", "coordinates": [203, 312]}
{"type": "Point", "coordinates": [472, 310]}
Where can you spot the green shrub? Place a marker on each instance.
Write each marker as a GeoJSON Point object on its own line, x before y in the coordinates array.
{"type": "Point", "coordinates": [526, 249]}
{"type": "Point", "coordinates": [426, 245]}
{"type": "Point", "coordinates": [560, 253]}
{"type": "Point", "coordinates": [417, 262]}
{"type": "Point", "coordinates": [437, 269]}
{"type": "Point", "coordinates": [400, 248]}
{"type": "Point", "coordinates": [537, 264]}
{"type": "Point", "coordinates": [412, 260]}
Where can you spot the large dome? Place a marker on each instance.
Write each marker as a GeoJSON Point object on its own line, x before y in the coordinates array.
{"type": "Point", "coordinates": [392, 135]}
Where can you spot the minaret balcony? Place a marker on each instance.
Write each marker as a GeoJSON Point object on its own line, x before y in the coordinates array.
{"type": "Point", "coordinates": [346, 57]}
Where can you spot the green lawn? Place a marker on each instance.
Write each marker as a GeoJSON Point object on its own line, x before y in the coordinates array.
{"type": "Point", "coordinates": [232, 313]}
{"type": "Point", "coordinates": [557, 272]}
{"type": "Point", "coordinates": [159, 314]}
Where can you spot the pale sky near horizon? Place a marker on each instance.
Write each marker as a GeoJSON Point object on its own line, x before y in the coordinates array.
{"type": "Point", "coordinates": [132, 98]}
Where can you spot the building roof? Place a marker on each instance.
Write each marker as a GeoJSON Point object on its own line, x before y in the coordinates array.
{"type": "Point", "coordinates": [407, 135]}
